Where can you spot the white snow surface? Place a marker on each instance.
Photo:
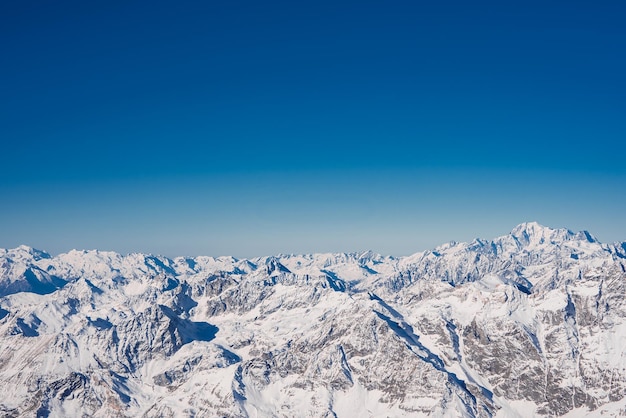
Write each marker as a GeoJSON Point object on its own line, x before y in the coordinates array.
{"type": "Point", "coordinates": [530, 324]}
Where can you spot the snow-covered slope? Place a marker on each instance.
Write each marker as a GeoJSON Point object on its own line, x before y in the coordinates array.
{"type": "Point", "coordinates": [529, 324]}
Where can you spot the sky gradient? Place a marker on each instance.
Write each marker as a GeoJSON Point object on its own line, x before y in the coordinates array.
{"type": "Point", "coordinates": [252, 128]}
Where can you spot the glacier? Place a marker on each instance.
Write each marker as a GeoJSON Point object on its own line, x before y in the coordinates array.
{"type": "Point", "coordinates": [529, 324]}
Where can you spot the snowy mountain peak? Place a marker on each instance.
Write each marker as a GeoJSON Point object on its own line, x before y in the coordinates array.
{"type": "Point", "coordinates": [535, 233]}
{"type": "Point", "coordinates": [274, 266]}
{"type": "Point", "coordinates": [369, 256]}
{"type": "Point", "coordinates": [26, 252]}
{"type": "Point", "coordinates": [586, 236]}
{"type": "Point", "coordinates": [531, 229]}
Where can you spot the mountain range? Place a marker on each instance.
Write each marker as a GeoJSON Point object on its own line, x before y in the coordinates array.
{"type": "Point", "coordinates": [529, 324]}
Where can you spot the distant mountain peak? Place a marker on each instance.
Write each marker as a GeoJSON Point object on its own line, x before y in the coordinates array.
{"type": "Point", "coordinates": [273, 264]}
{"type": "Point", "coordinates": [25, 250]}
{"type": "Point", "coordinates": [534, 232]}
{"type": "Point", "coordinates": [530, 228]}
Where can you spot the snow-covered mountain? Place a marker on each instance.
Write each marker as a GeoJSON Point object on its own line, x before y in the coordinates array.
{"type": "Point", "coordinates": [529, 324]}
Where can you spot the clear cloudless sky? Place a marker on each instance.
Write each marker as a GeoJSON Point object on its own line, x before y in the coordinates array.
{"type": "Point", "coordinates": [253, 128]}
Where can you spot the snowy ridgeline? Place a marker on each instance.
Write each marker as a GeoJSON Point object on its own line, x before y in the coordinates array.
{"type": "Point", "coordinates": [529, 324]}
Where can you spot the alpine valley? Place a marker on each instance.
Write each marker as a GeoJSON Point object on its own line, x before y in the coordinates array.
{"type": "Point", "coordinates": [530, 324]}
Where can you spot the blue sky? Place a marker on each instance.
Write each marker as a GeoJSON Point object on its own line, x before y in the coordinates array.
{"type": "Point", "coordinates": [253, 128]}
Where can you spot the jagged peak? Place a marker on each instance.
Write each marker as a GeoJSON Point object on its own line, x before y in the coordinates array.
{"type": "Point", "coordinates": [25, 250]}
{"type": "Point", "coordinates": [368, 255]}
{"type": "Point", "coordinates": [586, 236]}
{"type": "Point", "coordinates": [530, 228]}
{"type": "Point", "coordinates": [96, 253]}
{"type": "Point", "coordinates": [535, 232]}
{"type": "Point", "coordinates": [273, 264]}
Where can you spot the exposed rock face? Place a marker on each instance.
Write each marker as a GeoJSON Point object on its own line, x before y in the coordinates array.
{"type": "Point", "coordinates": [529, 324]}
